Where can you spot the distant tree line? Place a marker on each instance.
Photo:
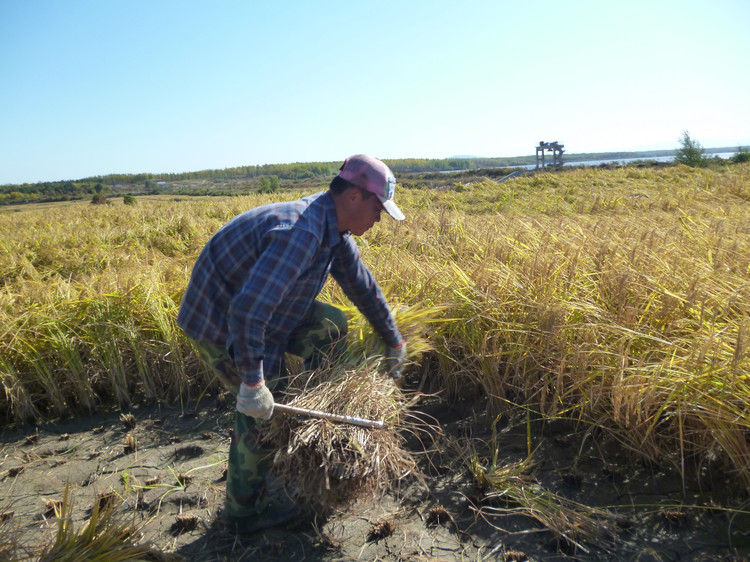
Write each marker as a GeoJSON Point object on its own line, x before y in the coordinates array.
{"type": "Point", "coordinates": [270, 174]}
{"type": "Point", "coordinates": [51, 191]}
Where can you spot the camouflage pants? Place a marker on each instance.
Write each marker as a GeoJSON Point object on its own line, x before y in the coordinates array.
{"type": "Point", "coordinates": [320, 337]}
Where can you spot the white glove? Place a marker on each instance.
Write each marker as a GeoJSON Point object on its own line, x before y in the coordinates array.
{"type": "Point", "coordinates": [395, 357]}
{"type": "Point", "coordinates": [255, 401]}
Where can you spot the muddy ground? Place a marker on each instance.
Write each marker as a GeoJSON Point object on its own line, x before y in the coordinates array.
{"type": "Point", "coordinates": [173, 481]}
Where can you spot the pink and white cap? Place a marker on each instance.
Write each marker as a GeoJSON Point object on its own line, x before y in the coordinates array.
{"type": "Point", "coordinates": [374, 176]}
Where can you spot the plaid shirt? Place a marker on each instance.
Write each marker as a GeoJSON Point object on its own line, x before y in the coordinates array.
{"type": "Point", "coordinates": [258, 275]}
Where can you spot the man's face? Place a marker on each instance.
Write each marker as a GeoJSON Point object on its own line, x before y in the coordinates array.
{"type": "Point", "coordinates": [365, 213]}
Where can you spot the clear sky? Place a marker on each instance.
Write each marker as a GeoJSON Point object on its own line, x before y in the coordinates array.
{"type": "Point", "coordinates": [93, 87]}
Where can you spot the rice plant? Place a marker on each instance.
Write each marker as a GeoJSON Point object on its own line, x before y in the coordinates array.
{"type": "Point", "coordinates": [510, 489]}
{"type": "Point", "coordinates": [104, 536]}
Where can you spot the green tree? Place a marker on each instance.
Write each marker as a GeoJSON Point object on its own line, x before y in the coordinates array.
{"type": "Point", "coordinates": [99, 199]}
{"type": "Point", "coordinates": [268, 184]}
{"type": "Point", "coordinates": [128, 199]}
{"type": "Point", "coordinates": [743, 155]}
{"type": "Point", "coordinates": [691, 152]}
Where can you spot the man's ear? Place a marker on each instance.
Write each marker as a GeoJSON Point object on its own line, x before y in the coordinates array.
{"type": "Point", "coordinates": [353, 195]}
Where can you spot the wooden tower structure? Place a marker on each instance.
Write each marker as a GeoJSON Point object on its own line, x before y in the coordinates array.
{"type": "Point", "coordinates": [555, 148]}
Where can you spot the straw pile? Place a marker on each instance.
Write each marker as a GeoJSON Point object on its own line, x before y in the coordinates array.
{"type": "Point", "coordinates": [331, 463]}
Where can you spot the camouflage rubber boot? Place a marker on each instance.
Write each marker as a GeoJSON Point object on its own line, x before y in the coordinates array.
{"type": "Point", "coordinates": [247, 469]}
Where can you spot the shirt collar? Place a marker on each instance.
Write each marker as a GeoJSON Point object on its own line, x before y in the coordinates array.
{"type": "Point", "coordinates": [334, 236]}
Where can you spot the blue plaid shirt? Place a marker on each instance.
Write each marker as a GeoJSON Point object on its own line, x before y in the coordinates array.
{"type": "Point", "coordinates": [258, 275]}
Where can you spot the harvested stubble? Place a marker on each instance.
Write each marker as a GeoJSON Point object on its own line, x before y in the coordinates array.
{"type": "Point", "coordinates": [332, 463]}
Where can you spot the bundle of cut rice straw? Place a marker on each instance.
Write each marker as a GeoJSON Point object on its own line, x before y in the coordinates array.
{"type": "Point", "coordinates": [330, 463]}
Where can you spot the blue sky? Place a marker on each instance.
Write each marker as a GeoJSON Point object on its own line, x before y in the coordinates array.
{"type": "Point", "coordinates": [99, 87]}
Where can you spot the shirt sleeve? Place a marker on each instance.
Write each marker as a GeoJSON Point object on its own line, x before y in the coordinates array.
{"type": "Point", "coordinates": [360, 287]}
{"type": "Point", "coordinates": [287, 255]}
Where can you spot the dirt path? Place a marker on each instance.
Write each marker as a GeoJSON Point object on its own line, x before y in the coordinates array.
{"type": "Point", "coordinates": [173, 481]}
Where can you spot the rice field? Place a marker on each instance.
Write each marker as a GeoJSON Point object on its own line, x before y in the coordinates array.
{"type": "Point", "coordinates": [615, 298]}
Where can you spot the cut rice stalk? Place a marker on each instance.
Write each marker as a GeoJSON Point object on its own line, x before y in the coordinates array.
{"type": "Point", "coordinates": [329, 463]}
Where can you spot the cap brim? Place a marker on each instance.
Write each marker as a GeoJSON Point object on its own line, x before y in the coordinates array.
{"type": "Point", "coordinates": [391, 208]}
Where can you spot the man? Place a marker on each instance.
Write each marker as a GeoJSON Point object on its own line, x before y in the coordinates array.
{"type": "Point", "coordinates": [252, 298]}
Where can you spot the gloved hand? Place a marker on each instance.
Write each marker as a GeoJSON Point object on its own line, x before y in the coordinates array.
{"type": "Point", "coordinates": [255, 401]}
{"type": "Point", "coordinates": [395, 357]}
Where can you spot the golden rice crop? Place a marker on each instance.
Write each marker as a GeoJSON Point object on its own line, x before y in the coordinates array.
{"type": "Point", "coordinates": [619, 298]}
